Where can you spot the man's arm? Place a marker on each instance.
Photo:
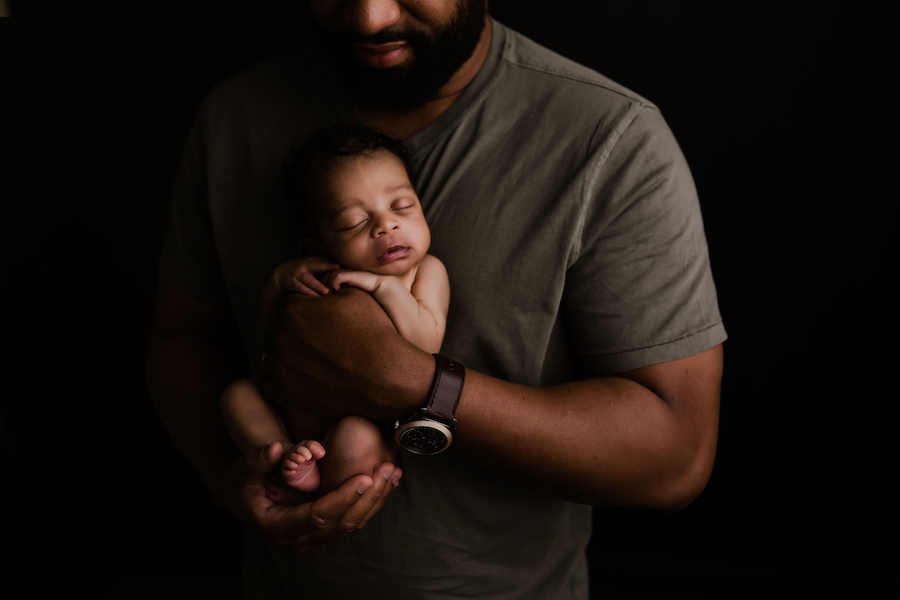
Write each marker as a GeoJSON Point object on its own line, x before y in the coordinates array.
{"type": "Point", "coordinates": [186, 374]}
{"type": "Point", "coordinates": [645, 438]}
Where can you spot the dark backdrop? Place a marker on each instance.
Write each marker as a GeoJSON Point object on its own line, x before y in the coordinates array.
{"type": "Point", "coordinates": [783, 113]}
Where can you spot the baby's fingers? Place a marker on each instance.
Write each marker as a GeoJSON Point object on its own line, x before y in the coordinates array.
{"type": "Point", "coordinates": [334, 279]}
{"type": "Point", "coordinates": [309, 285]}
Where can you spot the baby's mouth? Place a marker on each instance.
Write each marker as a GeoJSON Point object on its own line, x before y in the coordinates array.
{"type": "Point", "coordinates": [393, 253]}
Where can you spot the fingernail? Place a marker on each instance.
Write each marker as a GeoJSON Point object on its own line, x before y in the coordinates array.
{"type": "Point", "coordinates": [363, 489]}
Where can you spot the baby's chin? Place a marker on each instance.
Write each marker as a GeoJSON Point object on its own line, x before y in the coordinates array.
{"type": "Point", "coordinates": [397, 267]}
{"type": "Point", "coordinates": [392, 269]}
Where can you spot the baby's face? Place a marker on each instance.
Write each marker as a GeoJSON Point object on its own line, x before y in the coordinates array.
{"type": "Point", "coordinates": [370, 217]}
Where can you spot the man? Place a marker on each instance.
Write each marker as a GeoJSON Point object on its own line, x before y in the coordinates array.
{"type": "Point", "coordinates": [582, 307]}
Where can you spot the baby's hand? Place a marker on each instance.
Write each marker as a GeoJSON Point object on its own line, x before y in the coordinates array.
{"type": "Point", "coordinates": [298, 275]}
{"type": "Point", "coordinates": [364, 280]}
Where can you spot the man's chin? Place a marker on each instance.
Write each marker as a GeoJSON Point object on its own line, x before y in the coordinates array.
{"type": "Point", "coordinates": [392, 89]}
{"type": "Point", "coordinates": [397, 83]}
{"type": "Point", "coordinates": [382, 81]}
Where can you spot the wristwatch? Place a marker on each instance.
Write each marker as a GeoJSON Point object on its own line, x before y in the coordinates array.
{"type": "Point", "coordinates": [430, 429]}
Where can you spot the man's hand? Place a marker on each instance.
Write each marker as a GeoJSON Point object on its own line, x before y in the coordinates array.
{"type": "Point", "coordinates": [343, 347]}
{"type": "Point", "coordinates": [307, 526]}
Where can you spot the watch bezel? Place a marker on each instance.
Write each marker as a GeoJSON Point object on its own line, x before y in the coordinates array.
{"type": "Point", "coordinates": [423, 424]}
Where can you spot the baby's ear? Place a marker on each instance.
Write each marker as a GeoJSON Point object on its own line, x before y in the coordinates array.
{"type": "Point", "coordinates": [313, 245]}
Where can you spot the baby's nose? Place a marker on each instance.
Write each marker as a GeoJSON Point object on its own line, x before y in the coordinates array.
{"type": "Point", "coordinates": [386, 224]}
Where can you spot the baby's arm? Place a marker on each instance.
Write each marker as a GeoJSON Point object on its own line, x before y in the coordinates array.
{"type": "Point", "coordinates": [420, 313]}
{"type": "Point", "coordinates": [294, 276]}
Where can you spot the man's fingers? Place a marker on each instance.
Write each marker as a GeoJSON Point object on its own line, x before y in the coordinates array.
{"type": "Point", "coordinates": [372, 497]}
{"type": "Point", "coordinates": [348, 508]}
{"type": "Point", "coordinates": [391, 476]}
{"type": "Point", "coordinates": [340, 510]}
{"type": "Point", "coordinates": [262, 460]}
{"type": "Point", "coordinates": [308, 526]}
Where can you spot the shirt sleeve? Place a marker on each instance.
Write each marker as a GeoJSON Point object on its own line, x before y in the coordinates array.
{"type": "Point", "coordinates": [189, 261]}
{"type": "Point", "coordinates": [640, 289]}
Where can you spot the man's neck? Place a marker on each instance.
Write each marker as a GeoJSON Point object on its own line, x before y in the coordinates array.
{"type": "Point", "coordinates": [404, 125]}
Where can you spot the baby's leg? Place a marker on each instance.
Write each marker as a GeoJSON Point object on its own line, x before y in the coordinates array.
{"type": "Point", "coordinates": [253, 422]}
{"type": "Point", "coordinates": [356, 446]}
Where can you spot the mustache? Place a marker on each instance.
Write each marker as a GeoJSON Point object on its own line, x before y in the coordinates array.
{"type": "Point", "coordinates": [385, 36]}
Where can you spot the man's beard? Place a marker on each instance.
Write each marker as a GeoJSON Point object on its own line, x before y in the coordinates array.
{"type": "Point", "coordinates": [435, 59]}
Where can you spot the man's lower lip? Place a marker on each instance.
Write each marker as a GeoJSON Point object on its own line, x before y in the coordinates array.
{"type": "Point", "coordinates": [381, 60]}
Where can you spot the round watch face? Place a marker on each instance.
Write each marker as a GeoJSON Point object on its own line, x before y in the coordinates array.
{"type": "Point", "coordinates": [424, 437]}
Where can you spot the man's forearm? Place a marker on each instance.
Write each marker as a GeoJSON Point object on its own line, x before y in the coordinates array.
{"type": "Point", "coordinates": [608, 441]}
{"type": "Point", "coordinates": [644, 439]}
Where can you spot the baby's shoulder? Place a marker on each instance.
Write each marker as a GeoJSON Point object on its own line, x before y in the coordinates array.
{"type": "Point", "coordinates": [429, 264]}
{"type": "Point", "coordinates": [432, 260]}
{"type": "Point", "coordinates": [430, 271]}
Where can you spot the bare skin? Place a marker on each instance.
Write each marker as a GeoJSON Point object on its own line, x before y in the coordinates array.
{"type": "Point", "coordinates": [371, 222]}
{"type": "Point", "coordinates": [253, 423]}
{"type": "Point", "coordinates": [186, 373]}
{"type": "Point", "coordinates": [645, 438]}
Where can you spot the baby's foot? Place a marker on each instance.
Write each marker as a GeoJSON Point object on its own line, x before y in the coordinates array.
{"type": "Point", "coordinates": [298, 468]}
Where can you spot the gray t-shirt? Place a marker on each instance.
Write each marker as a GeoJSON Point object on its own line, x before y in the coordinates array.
{"type": "Point", "coordinates": [568, 221]}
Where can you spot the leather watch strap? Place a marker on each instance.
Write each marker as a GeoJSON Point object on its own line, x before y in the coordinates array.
{"type": "Point", "coordinates": [449, 376]}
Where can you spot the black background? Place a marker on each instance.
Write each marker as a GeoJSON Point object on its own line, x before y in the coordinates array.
{"type": "Point", "coordinates": [783, 112]}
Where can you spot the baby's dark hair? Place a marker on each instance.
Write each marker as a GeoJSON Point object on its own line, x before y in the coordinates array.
{"type": "Point", "coordinates": [313, 159]}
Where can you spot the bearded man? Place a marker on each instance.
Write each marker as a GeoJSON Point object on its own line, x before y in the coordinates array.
{"type": "Point", "coordinates": [582, 308]}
